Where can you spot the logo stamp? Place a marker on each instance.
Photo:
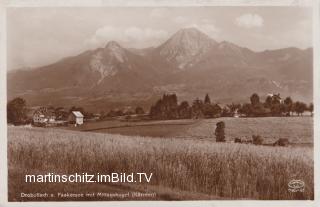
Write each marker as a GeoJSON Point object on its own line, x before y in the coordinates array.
{"type": "Point", "coordinates": [296, 186]}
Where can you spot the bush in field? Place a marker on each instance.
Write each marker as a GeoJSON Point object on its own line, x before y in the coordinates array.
{"type": "Point", "coordinates": [139, 110]}
{"type": "Point", "coordinates": [257, 139]}
{"type": "Point", "coordinates": [219, 132]}
{"type": "Point", "coordinates": [281, 142]}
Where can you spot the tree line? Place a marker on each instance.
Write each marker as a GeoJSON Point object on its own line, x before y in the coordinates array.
{"type": "Point", "coordinates": [167, 107]}
{"type": "Point", "coordinates": [273, 105]}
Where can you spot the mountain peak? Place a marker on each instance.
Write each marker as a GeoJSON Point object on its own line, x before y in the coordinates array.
{"type": "Point", "coordinates": [186, 45]}
{"type": "Point", "coordinates": [191, 33]}
{"type": "Point", "coordinates": [115, 50]}
{"type": "Point", "coordinates": [112, 44]}
{"type": "Point", "coordinates": [189, 30]}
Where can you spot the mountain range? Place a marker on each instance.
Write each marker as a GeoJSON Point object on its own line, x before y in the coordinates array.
{"type": "Point", "coordinates": [189, 63]}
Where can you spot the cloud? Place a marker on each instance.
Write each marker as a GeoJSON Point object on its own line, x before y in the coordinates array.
{"type": "Point", "coordinates": [129, 37]}
{"type": "Point", "coordinates": [180, 20]}
{"type": "Point", "coordinates": [249, 20]}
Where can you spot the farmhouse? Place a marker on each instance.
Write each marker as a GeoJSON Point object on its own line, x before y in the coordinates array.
{"type": "Point", "coordinates": [76, 117]}
{"type": "Point", "coordinates": [43, 116]}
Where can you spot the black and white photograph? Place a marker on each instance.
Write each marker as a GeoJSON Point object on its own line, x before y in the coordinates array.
{"type": "Point", "coordinates": [160, 103]}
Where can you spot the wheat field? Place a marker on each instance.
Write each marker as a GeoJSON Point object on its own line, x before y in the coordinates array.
{"type": "Point", "coordinates": [217, 170]}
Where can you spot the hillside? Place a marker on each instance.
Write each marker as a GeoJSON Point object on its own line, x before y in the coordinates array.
{"type": "Point", "coordinates": [189, 63]}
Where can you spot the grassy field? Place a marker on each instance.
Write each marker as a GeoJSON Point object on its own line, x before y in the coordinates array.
{"type": "Point", "coordinates": [163, 128]}
{"type": "Point", "coordinates": [296, 129]}
{"type": "Point", "coordinates": [183, 168]}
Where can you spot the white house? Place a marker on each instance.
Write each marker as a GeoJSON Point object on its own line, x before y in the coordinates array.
{"type": "Point", "coordinates": [76, 117]}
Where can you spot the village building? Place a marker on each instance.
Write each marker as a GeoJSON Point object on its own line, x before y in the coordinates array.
{"type": "Point", "coordinates": [43, 116]}
{"type": "Point", "coordinates": [76, 117]}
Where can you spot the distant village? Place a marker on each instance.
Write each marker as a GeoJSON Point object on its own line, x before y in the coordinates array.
{"type": "Point", "coordinates": [166, 108]}
{"type": "Point", "coordinates": [46, 117]}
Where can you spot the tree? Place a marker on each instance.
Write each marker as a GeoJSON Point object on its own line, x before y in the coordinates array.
{"type": "Point", "coordinates": [208, 110]}
{"type": "Point", "coordinates": [276, 105]}
{"type": "Point", "coordinates": [276, 99]}
{"type": "Point", "coordinates": [207, 99]}
{"type": "Point", "coordinates": [17, 111]}
{"type": "Point", "coordinates": [165, 108]}
{"type": "Point", "coordinates": [233, 107]}
{"type": "Point", "coordinates": [259, 110]}
{"type": "Point", "coordinates": [139, 110]}
{"type": "Point", "coordinates": [226, 112]}
{"type": "Point", "coordinates": [288, 105]}
{"type": "Point", "coordinates": [61, 113]}
{"type": "Point", "coordinates": [219, 132]}
{"type": "Point", "coordinates": [299, 107]}
{"type": "Point", "coordinates": [197, 108]}
{"type": "Point", "coordinates": [184, 110]}
{"type": "Point", "coordinates": [268, 102]}
{"type": "Point", "coordinates": [276, 109]}
{"type": "Point", "coordinates": [217, 110]}
{"type": "Point", "coordinates": [246, 109]}
{"type": "Point", "coordinates": [255, 99]}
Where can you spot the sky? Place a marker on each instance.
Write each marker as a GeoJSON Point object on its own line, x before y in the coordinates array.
{"type": "Point", "coordinates": [40, 36]}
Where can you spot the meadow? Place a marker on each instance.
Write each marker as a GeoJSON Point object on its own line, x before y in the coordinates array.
{"type": "Point", "coordinates": [298, 130]}
{"type": "Point", "coordinates": [184, 169]}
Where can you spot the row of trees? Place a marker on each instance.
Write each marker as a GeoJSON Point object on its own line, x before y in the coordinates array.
{"type": "Point", "coordinates": [167, 107]}
{"type": "Point", "coordinates": [273, 106]}
{"type": "Point", "coordinates": [122, 112]}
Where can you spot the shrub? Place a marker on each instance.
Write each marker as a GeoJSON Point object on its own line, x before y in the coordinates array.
{"type": "Point", "coordinates": [281, 142]}
{"type": "Point", "coordinates": [220, 137]}
{"type": "Point", "coordinates": [257, 139]}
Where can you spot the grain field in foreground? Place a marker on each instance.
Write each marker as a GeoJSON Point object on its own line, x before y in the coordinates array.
{"type": "Point", "coordinates": [204, 168]}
